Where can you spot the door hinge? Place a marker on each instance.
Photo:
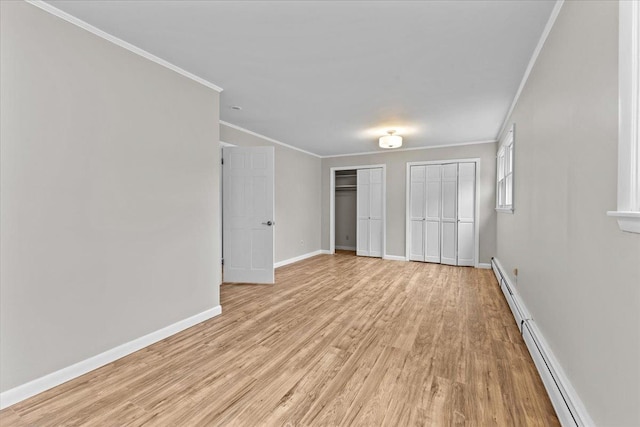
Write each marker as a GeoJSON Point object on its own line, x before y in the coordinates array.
{"type": "Point", "coordinates": [222, 259]}
{"type": "Point", "coordinates": [221, 160]}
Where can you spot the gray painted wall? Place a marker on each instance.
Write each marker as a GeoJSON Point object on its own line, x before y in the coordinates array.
{"type": "Point", "coordinates": [396, 162]}
{"type": "Point", "coordinates": [297, 181]}
{"type": "Point", "coordinates": [579, 275]}
{"type": "Point", "coordinates": [109, 201]}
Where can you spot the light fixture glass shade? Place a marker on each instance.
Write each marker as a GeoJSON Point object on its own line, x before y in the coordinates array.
{"type": "Point", "coordinates": [390, 141]}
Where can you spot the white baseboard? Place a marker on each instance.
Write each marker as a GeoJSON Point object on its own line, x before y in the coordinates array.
{"type": "Point", "coordinates": [299, 258]}
{"type": "Point", "coordinates": [63, 375]}
{"type": "Point", "coordinates": [568, 405]}
{"type": "Point", "coordinates": [394, 258]}
{"type": "Point", "coordinates": [486, 266]}
{"type": "Point", "coordinates": [346, 248]}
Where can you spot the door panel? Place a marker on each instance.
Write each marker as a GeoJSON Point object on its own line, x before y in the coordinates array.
{"type": "Point", "coordinates": [417, 205]}
{"type": "Point", "coordinates": [466, 243]}
{"type": "Point", "coordinates": [449, 227]}
{"type": "Point", "coordinates": [433, 213]}
{"type": "Point", "coordinates": [416, 248]}
{"type": "Point", "coordinates": [363, 212]}
{"type": "Point", "coordinates": [466, 213]}
{"type": "Point", "coordinates": [363, 237]}
{"type": "Point", "coordinates": [370, 212]}
{"type": "Point", "coordinates": [448, 243]}
{"type": "Point", "coordinates": [375, 237]}
{"type": "Point", "coordinates": [248, 201]}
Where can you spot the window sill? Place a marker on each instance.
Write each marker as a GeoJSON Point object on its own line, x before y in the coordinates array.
{"type": "Point", "coordinates": [628, 221]}
{"type": "Point", "coordinates": [505, 210]}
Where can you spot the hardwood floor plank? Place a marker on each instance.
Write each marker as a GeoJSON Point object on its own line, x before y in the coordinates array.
{"type": "Point", "coordinates": [338, 340]}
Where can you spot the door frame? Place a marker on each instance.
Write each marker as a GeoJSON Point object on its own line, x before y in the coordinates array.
{"type": "Point", "coordinates": [221, 145]}
{"type": "Point", "coordinates": [332, 207]}
{"type": "Point", "coordinates": [407, 219]}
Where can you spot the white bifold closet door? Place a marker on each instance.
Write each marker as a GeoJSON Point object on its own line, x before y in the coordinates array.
{"type": "Point", "coordinates": [442, 213]}
{"type": "Point", "coordinates": [369, 211]}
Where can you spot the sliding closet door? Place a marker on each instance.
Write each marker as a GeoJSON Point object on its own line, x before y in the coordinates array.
{"type": "Point", "coordinates": [364, 212]}
{"type": "Point", "coordinates": [376, 214]}
{"type": "Point", "coordinates": [433, 217]}
{"type": "Point", "coordinates": [466, 213]}
{"type": "Point", "coordinates": [449, 228]}
{"type": "Point", "coordinates": [417, 212]}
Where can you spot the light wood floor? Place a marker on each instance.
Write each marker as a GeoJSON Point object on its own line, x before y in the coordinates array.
{"type": "Point", "coordinates": [339, 340]}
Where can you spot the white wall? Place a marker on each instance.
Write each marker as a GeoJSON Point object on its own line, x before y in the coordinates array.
{"type": "Point", "coordinates": [396, 162]}
{"type": "Point", "coordinates": [297, 194]}
{"type": "Point", "coordinates": [109, 195]}
{"type": "Point", "coordinates": [579, 275]}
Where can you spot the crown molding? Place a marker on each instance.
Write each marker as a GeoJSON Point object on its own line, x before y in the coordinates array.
{"type": "Point", "coordinates": [275, 141]}
{"type": "Point", "coordinates": [119, 42]}
{"type": "Point", "coordinates": [532, 62]}
{"type": "Point", "coordinates": [460, 144]}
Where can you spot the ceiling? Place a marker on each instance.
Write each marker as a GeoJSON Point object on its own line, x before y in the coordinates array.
{"type": "Point", "coordinates": [331, 77]}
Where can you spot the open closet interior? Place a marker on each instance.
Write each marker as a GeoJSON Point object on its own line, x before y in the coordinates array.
{"type": "Point", "coordinates": [345, 209]}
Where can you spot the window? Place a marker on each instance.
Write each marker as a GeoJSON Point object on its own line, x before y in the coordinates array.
{"type": "Point", "coordinates": [504, 189]}
{"type": "Point", "coordinates": [628, 213]}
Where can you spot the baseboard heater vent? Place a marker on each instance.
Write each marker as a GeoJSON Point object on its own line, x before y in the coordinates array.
{"type": "Point", "coordinates": [566, 402]}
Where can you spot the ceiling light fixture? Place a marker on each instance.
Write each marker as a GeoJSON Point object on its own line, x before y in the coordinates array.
{"type": "Point", "coordinates": [391, 140]}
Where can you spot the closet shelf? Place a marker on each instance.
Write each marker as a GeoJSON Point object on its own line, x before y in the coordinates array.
{"type": "Point", "coordinates": [352, 175]}
{"type": "Point", "coordinates": [345, 187]}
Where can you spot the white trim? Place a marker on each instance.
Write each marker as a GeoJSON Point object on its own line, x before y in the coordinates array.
{"type": "Point", "coordinates": [297, 258]}
{"type": "Point", "coordinates": [628, 206]}
{"type": "Point", "coordinates": [627, 221]}
{"type": "Point", "coordinates": [394, 258]}
{"type": "Point", "coordinates": [250, 132]}
{"type": "Point", "coordinates": [63, 375]}
{"type": "Point", "coordinates": [226, 144]}
{"type": "Point", "coordinates": [566, 401]}
{"type": "Point", "coordinates": [504, 210]}
{"type": "Point", "coordinates": [345, 248]}
{"type": "Point", "coordinates": [407, 223]}
{"type": "Point", "coordinates": [491, 141]}
{"type": "Point", "coordinates": [532, 62]}
{"type": "Point", "coordinates": [484, 265]}
{"type": "Point", "coordinates": [119, 42]}
{"type": "Point", "coordinates": [332, 198]}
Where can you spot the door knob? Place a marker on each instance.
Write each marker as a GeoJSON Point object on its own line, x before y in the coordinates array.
{"type": "Point", "coordinates": [269, 223]}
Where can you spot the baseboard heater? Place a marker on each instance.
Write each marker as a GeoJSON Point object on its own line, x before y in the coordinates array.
{"type": "Point", "coordinates": [566, 402]}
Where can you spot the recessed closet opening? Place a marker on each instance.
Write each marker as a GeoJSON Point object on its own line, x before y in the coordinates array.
{"type": "Point", "coordinates": [346, 216]}
{"type": "Point", "coordinates": [357, 203]}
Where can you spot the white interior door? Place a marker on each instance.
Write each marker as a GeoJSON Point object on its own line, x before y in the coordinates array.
{"type": "Point", "coordinates": [417, 213]}
{"type": "Point", "coordinates": [466, 213]}
{"type": "Point", "coordinates": [248, 214]}
{"type": "Point", "coordinates": [449, 224]}
{"type": "Point", "coordinates": [370, 208]}
{"type": "Point", "coordinates": [433, 217]}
